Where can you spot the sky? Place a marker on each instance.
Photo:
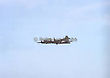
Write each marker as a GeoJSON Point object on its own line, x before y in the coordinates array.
{"type": "Point", "coordinates": [22, 20]}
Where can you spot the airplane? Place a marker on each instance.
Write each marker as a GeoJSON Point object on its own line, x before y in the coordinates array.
{"type": "Point", "coordinates": [65, 40]}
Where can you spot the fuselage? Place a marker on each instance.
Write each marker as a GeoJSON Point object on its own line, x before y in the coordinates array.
{"type": "Point", "coordinates": [65, 40]}
{"type": "Point", "coordinates": [55, 41]}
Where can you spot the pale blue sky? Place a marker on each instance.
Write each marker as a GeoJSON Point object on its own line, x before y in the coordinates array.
{"type": "Point", "coordinates": [22, 20]}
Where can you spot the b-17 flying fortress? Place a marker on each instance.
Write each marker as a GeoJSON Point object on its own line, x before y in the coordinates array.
{"type": "Point", "coordinates": [65, 40]}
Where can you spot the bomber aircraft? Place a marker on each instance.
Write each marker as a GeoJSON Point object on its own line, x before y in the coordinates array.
{"type": "Point", "coordinates": [65, 40]}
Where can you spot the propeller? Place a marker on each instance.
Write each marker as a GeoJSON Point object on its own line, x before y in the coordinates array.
{"type": "Point", "coordinates": [41, 38]}
{"type": "Point", "coordinates": [35, 39]}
